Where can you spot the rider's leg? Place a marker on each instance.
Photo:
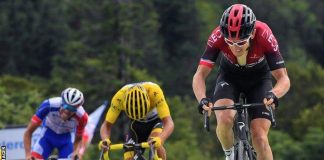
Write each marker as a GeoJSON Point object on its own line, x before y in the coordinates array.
{"type": "Point", "coordinates": [43, 148]}
{"type": "Point", "coordinates": [259, 130]}
{"type": "Point", "coordinates": [64, 145]}
{"type": "Point", "coordinates": [261, 120]}
{"type": "Point", "coordinates": [224, 128]}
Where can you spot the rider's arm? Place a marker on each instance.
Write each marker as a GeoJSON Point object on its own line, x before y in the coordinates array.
{"type": "Point", "coordinates": [275, 62]}
{"type": "Point", "coordinates": [80, 129]}
{"type": "Point", "coordinates": [112, 115]}
{"type": "Point", "coordinates": [207, 62]}
{"type": "Point", "coordinates": [105, 130]}
{"type": "Point", "coordinates": [158, 99]}
{"type": "Point", "coordinates": [199, 81]}
{"type": "Point", "coordinates": [168, 127]}
{"type": "Point", "coordinates": [283, 83]}
{"type": "Point", "coordinates": [77, 140]}
{"type": "Point", "coordinates": [32, 126]}
{"type": "Point", "coordinates": [36, 121]}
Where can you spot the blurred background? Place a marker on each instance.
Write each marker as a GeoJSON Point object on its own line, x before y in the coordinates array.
{"type": "Point", "coordinates": [100, 45]}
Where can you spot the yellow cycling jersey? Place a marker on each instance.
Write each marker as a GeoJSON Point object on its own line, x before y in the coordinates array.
{"type": "Point", "coordinates": [158, 103]}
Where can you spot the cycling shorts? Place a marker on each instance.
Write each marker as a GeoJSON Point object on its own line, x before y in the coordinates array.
{"type": "Point", "coordinates": [254, 89]}
{"type": "Point", "coordinates": [50, 140]}
{"type": "Point", "coordinates": [140, 131]}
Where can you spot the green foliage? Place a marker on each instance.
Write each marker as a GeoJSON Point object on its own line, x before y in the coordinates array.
{"type": "Point", "coordinates": [305, 96]}
{"type": "Point", "coordinates": [313, 144]}
{"type": "Point", "coordinates": [284, 146]}
{"type": "Point", "coordinates": [184, 142]}
{"type": "Point", "coordinates": [19, 100]}
{"type": "Point", "coordinates": [31, 32]}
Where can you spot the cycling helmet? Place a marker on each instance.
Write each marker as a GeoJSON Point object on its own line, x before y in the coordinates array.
{"type": "Point", "coordinates": [237, 22]}
{"type": "Point", "coordinates": [72, 97]}
{"type": "Point", "coordinates": [136, 102]}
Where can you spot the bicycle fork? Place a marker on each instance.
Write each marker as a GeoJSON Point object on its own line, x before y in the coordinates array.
{"type": "Point", "coordinates": [243, 149]}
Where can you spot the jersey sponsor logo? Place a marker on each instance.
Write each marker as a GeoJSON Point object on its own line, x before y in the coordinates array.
{"type": "Point", "coordinates": [159, 101]}
{"type": "Point", "coordinates": [280, 62]}
{"type": "Point", "coordinates": [271, 39]}
{"type": "Point", "coordinates": [241, 125]}
{"type": "Point", "coordinates": [115, 108]}
{"type": "Point", "coordinates": [255, 63]}
{"type": "Point", "coordinates": [214, 37]}
{"type": "Point", "coordinates": [254, 56]}
{"type": "Point", "coordinates": [224, 84]}
{"type": "Point", "coordinates": [265, 113]}
{"type": "Point", "coordinates": [119, 101]}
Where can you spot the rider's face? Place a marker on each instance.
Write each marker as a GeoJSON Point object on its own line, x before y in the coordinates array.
{"type": "Point", "coordinates": [66, 114]}
{"type": "Point", "coordinates": [239, 46]}
{"type": "Point", "coordinates": [238, 50]}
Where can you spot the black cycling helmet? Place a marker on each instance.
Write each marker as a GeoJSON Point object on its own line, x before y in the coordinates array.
{"type": "Point", "coordinates": [237, 22]}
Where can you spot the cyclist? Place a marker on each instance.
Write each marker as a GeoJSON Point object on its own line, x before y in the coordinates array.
{"type": "Point", "coordinates": [145, 105]}
{"type": "Point", "coordinates": [60, 117]}
{"type": "Point", "coordinates": [250, 54]}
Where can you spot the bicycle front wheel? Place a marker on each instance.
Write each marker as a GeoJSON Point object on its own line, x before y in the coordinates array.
{"type": "Point", "coordinates": [241, 153]}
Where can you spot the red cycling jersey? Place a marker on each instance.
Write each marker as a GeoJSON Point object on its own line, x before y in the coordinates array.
{"type": "Point", "coordinates": [263, 55]}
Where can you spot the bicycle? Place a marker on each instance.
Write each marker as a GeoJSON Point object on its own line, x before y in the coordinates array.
{"type": "Point", "coordinates": [132, 146]}
{"type": "Point", "coordinates": [242, 148]}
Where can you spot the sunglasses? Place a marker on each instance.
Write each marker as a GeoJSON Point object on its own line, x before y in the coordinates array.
{"type": "Point", "coordinates": [239, 43]}
{"type": "Point", "coordinates": [69, 108]}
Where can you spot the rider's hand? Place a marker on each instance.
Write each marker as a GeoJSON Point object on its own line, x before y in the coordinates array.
{"type": "Point", "coordinates": [271, 99]}
{"type": "Point", "coordinates": [30, 157]}
{"type": "Point", "coordinates": [104, 144]}
{"type": "Point", "coordinates": [204, 104]}
{"type": "Point", "coordinates": [75, 156]}
{"type": "Point", "coordinates": [156, 141]}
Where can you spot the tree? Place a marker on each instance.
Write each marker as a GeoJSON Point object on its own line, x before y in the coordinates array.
{"type": "Point", "coordinates": [30, 34]}
{"type": "Point", "coordinates": [20, 98]}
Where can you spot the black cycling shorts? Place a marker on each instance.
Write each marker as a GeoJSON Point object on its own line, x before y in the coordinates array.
{"type": "Point", "coordinates": [140, 131]}
{"type": "Point", "coordinates": [254, 89]}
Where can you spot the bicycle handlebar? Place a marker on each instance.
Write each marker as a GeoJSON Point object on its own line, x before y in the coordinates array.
{"type": "Point", "coordinates": [129, 145]}
{"type": "Point", "coordinates": [237, 106]}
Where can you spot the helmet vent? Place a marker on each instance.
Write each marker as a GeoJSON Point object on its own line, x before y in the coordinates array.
{"type": "Point", "coordinates": [233, 34]}
{"type": "Point", "coordinates": [235, 13]}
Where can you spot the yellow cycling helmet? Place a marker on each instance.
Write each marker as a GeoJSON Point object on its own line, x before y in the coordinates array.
{"type": "Point", "coordinates": [136, 103]}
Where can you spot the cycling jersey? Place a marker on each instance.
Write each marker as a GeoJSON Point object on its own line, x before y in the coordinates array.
{"type": "Point", "coordinates": [56, 132]}
{"type": "Point", "coordinates": [159, 107]}
{"type": "Point", "coordinates": [263, 54]}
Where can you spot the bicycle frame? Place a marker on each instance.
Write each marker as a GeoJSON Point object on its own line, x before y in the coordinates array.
{"type": "Point", "coordinates": [136, 147]}
{"type": "Point", "coordinates": [242, 148]}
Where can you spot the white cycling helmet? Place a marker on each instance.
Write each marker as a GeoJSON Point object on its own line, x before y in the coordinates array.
{"type": "Point", "coordinates": [73, 97]}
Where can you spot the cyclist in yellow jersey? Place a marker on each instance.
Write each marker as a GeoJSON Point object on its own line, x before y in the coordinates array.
{"type": "Point", "coordinates": [145, 105]}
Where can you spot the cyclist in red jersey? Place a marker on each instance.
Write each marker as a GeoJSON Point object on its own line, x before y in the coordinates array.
{"type": "Point", "coordinates": [249, 55]}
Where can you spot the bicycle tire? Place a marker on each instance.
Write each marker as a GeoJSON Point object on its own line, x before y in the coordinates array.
{"type": "Point", "coordinates": [243, 153]}
{"type": "Point", "coordinates": [251, 155]}
{"type": "Point", "coordinates": [239, 148]}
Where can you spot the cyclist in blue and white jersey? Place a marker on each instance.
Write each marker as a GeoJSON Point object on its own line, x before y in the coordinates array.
{"type": "Point", "coordinates": [60, 118]}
